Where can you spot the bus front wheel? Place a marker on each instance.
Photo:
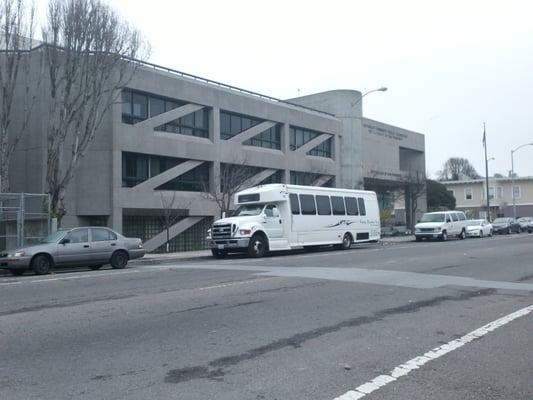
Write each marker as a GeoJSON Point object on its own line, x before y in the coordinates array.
{"type": "Point", "coordinates": [257, 246]}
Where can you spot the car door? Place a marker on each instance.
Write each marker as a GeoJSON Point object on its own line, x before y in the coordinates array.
{"type": "Point", "coordinates": [75, 248]}
{"type": "Point", "coordinates": [455, 229]}
{"type": "Point", "coordinates": [103, 243]}
{"type": "Point", "coordinates": [272, 222]}
{"type": "Point", "coordinates": [449, 224]}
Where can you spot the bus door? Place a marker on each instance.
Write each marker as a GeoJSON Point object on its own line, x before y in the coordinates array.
{"type": "Point", "coordinates": [272, 222]}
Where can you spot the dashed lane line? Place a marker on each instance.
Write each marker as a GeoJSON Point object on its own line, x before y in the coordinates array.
{"type": "Point", "coordinates": [417, 362]}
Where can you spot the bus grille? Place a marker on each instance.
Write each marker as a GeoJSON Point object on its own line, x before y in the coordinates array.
{"type": "Point", "coordinates": [222, 231]}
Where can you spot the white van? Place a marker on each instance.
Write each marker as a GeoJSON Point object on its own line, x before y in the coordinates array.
{"type": "Point", "coordinates": [283, 217]}
{"type": "Point", "coordinates": [441, 225]}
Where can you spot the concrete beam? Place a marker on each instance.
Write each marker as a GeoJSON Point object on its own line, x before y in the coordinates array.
{"type": "Point", "coordinates": [310, 145]}
{"type": "Point", "coordinates": [253, 131]}
{"type": "Point", "coordinates": [259, 177]}
{"type": "Point", "coordinates": [158, 120]}
{"type": "Point", "coordinates": [322, 180]}
{"type": "Point", "coordinates": [168, 175]}
{"type": "Point", "coordinates": [179, 227]}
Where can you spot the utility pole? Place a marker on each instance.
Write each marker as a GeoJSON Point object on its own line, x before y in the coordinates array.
{"type": "Point", "coordinates": [486, 172]}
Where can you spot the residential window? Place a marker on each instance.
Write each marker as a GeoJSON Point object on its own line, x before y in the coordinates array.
{"type": "Point", "coordinates": [270, 139]}
{"type": "Point", "coordinates": [323, 205]}
{"type": "Point", "coordinates": [468, 193]}
{"type": "Point", "coordinates": [491, 192]}
{"type": "Point", "coordinates": [516, 192]}
{"type": "Point", "coordinates": [307, 202]}
{"type": "Point", "coordinates": [499, 192]}
{"type": "Point", "coordinates": [232, 124]}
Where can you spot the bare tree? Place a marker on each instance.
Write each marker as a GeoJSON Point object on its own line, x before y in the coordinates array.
{"type": "Point", "coordinates": [457, 168]}
{"type": "Point", "coordinates": [87, 61]}
{"type": "Point", "coordinates": [16, 41]}
{"type": "Point", "coordinates": [414, 188]}
{"type": "Point", "coordinates": [233, 178]}
{"type": "Point", "coordinates": [172, 211]}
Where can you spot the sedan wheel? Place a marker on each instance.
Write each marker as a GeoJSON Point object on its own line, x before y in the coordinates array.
{"type": "Point", "coordinates": [41, 264]}
{"type": "Point", "coordinates": [119, 260]}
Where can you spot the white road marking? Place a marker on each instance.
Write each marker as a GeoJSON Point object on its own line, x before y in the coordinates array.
{"type": "Point", "coordinates": [417, 362]}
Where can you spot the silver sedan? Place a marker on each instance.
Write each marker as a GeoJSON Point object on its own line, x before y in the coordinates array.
{"type": "Point", "coordinates": [87, 246]}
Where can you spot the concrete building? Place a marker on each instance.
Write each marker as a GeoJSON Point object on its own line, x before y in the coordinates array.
{"type": "Point", "coordinates": [173, 132]}
{"type": "Point", "coordinates": [471, 196]}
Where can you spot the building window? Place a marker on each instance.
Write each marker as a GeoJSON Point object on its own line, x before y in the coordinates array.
{"type": "Point", "coordinates": [195, 180]}
{"type": "Point", "coordinates": [194, 124]}
{"type": "Point", "coordinates": [138, 106]}
{"type": "Point", "coordinates": [491, 192]}
{"type": "Point", "coordinates": [516, 192]}
{"type": "Point", "coordinates": [276, 177]}
{"type": "Point", "coordinates": [322, 150]}
{"type": "Point", "coordinates": [300, 136]}
{"type": "Point", "coordinates": [137, 168]}
{"type": "Point", "coordinates": [499, 192]}
{"type": "Point", "coordinates": [232, 124]}
{"type": "Point", "coordinates": [468, 193]}
{"type": "Point", "coordinates": [270, 139]}
{"type": "Point", "coordinates": [303, 178]}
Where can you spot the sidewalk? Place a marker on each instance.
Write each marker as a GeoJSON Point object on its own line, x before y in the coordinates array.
{"type": "Point", "coordinates": [189, 255]}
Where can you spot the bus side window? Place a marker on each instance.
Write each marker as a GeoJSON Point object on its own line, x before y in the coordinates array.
{"type": "Point", "coordinates": [362, 209]}
{"type": "Point", "coordinates": [295, 205]}
{"type": "Point", "coordinates": [323, 205]}
{"type": "Point", "coordinates": [351, 206]}
{"type": "Point", "coordinates": [337, 204]}
{"type": "Point", "coordinates": [308, 204]}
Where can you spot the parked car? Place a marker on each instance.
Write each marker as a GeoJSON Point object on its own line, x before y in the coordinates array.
{"type": "Point", "coordinates": [525, 223]}
{"type": "Point", "coordinates": [441, 225]}
{"type": "Point", "coordinates": [87, 246]}
{"type": "Point", "coordinates": [505, 225]}
{"type": "Point", "coordinates": [478, 228]}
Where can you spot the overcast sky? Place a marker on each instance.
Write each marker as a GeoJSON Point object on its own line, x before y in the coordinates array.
{"type": "Point", "coordinates": [449, 65]}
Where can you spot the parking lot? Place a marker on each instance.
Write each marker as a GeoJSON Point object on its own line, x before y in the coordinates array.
{"type": "Point", "coordinates": [314, 325]}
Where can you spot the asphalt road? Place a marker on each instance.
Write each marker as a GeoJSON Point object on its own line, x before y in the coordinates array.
{"type": "Point", "coordinates": [322, 325]}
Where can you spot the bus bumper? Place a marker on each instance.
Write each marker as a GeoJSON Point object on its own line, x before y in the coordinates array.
{"type": "Point", "coordinates": [223, 244]}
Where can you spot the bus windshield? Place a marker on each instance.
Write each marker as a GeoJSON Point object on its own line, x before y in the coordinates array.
{"type": "Point", "coordinates": [432, 218]}
{"type": "Point", "coordinates": [248, 209]}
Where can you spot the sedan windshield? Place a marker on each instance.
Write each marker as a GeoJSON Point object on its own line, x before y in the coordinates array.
{"type": "Point", "coordinates": [249, 209]}
{"type": "Point", "coordinates": [54, 237]}
{"type": "Point", "coordinates": [432, 218]}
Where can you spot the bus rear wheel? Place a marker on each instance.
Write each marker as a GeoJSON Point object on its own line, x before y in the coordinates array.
{"type": "Point", "coordinates": [346, 242]}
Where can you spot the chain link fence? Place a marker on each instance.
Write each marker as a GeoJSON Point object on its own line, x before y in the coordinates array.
{"type": "Point", "coordinates": [24, 219]}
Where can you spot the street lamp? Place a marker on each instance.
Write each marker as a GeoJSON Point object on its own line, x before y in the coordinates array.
{"type": "Point", "coordinates": [381, 89]}
{"type": "Point", "coordinates": [512, 175]}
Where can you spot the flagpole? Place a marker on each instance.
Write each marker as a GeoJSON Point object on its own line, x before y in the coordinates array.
{"type": "Point", "coordinates": [486, 172]}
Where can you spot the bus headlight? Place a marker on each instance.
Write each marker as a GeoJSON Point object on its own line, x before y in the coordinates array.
{"type": "Point", "coordinates": [245, 232]}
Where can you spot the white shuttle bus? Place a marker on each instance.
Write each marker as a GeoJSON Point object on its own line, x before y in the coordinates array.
{"type": "Point", "coordinates": [283, 217]}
